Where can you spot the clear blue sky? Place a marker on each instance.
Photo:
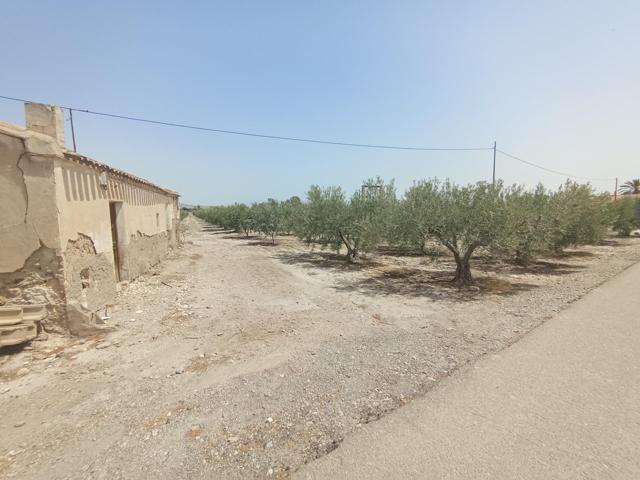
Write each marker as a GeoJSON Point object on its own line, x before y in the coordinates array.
{"type": "Point", "coordinates": [555, 82]}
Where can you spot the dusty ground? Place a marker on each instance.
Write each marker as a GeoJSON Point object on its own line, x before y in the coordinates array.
{"type": "Point", "coordinates": [238, 359]}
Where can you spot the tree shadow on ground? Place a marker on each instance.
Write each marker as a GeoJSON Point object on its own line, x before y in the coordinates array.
{"type": "Point", "coordinates": [434, 284]}
{"type": "Point", "coordinates": [391, 251]}
{"type": "Point", "coordinates": [262, 243]}
{"type": "Point", "coordinates": [573, 254]}
{"type": "Point", "coordinates": [325, 260]}
{"type": "Point", "coordinates": [538, 267]}
{"type": "Point", "coordinates": [217, 231]}
{"type": "Point", "coordinates": [237, 236]}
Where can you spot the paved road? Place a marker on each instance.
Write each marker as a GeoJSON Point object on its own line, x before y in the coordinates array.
{"type": "Point", "coordinates": [562, 403]}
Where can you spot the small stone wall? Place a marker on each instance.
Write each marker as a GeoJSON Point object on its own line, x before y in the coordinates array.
{"type": "Point", "coordinates": [141, 253]}
{"type": "Point", "coordinates": [90, 284]}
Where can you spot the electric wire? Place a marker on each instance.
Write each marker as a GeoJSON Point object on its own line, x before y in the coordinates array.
{"type": "Point", "coordinates": [535, 165]}
{"type": "Point", "coordinates": [260, 135]}
{"type": "Point", "coordinates": [316, 141]}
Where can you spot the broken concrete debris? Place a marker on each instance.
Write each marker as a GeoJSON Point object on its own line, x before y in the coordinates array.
{"type": "Point", "coordinates": [19, 323]}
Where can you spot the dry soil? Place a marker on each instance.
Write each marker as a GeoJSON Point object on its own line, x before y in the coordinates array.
{"type": "Point", "coordinates": [236, 358]}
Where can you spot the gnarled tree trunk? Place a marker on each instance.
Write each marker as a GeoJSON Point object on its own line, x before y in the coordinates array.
{"type": "Point", "coordinates": [463, 276]}
{"type": "Point", "coordinates": [352, 250]}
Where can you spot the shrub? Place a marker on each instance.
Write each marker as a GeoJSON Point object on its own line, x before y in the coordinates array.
{"type": "Point", "coordinates": [623, 216]}
{"type": "Point", "coordinates": [358, 224]}
{"type": "Point", "coordinates": [528, 229]}
{"type": "Point", "coordinates": [578, 216]}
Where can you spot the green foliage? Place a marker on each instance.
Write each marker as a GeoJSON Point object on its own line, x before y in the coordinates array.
{"type": "Point", "coordinates": [413, 216]}
{"type": "Point", "coordinates": [514, 222]}
{"type": "Point", "coordinates": [292, 211]}
{"type": "Point", "coordinates": [359, 223]}
{"type": "Point", "coordinates": [266, 218]}
{"type": "Point", "coordinates": [624, 216]}
{"type": "Point", "coordinates": [578, 216]}
{"type": "Point", "coordinates": [461, 218]}
{"type": "Point", "coordinates": [233, 217]}
{"type": "Point", "coordinates": [632, 187]}
{"type": "Point", "coordinates": [528, 231]}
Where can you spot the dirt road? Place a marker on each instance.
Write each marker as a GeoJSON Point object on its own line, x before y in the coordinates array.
{"type": "Point", "coordinates": [561, 403]}
{"type": "Point", "coordinates": [238, 359]}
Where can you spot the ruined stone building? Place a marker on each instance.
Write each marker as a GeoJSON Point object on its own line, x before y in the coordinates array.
{"type": "Point", "coordinates": [71, 228]}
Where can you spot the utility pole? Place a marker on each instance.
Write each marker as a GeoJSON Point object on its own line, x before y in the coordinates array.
{"type": "Point", "coordinates": [494, 163]}
{"type": "Point", "coordinates": [73, 133]}
{"type": "Point", "coordinates": [615, 191]}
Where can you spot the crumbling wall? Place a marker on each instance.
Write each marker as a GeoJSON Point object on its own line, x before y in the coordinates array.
{"type": "Point", "coordinates": [30, 263]}
{"type": "Point", "coordinates": [142, 252]}
{"type": "Point", "coordinates": [90, 284]}
{"type": "Point", "coordinates": [40, 280]}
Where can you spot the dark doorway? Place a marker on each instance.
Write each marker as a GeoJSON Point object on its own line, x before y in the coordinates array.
{"type": "Point", "coordinates": [114, 212]}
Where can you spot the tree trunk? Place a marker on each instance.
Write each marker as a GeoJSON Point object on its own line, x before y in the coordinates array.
{"type": "Point", "coordinates": [352, 252]}
{"type": "Point", "coordinates": [463, 276]}
{"type": "Point", "coordinates": [521, 259]}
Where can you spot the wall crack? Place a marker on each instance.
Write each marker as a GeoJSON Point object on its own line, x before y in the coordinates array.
{"type": "Point", "coordinates": [24, 182]}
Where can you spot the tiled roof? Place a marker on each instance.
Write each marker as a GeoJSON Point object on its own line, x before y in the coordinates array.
{"type": "Point", "coordinates": [76, 157]}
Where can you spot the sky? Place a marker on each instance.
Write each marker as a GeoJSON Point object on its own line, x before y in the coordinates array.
{"type": "Point", "coordinates": [555, 83]}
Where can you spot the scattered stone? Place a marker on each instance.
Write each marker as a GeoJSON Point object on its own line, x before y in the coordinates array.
{"type": "Point", "coordinates": [102, 345]}
{"type": "Point", "coordinates": [219, 334]}
{"type": "Point", "coordinates": [22, 372]}
{"type": "Point", "coordinates": [19, 424]}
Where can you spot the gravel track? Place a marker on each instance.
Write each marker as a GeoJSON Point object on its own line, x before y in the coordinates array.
{"type": "Point", "coordinates": [239, 359]}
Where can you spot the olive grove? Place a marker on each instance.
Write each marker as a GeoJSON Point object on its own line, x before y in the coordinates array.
{"type": "Point", "coordinates": [509, 222]}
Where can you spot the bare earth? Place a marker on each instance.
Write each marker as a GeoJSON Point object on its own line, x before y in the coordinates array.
{"type": "Point", "coordinates": [238, 359]}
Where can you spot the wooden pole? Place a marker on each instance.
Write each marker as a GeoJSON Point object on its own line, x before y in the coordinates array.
{"type": "Point", "coordinates": [494, 163]}
{"type": "Point", "coordinates": [73, 133]}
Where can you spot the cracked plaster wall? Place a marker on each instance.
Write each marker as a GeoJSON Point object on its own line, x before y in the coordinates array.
{"type": "Point", "coordinates": [30, 265]}
{"type": "Point", "coordinates": [55, 230]}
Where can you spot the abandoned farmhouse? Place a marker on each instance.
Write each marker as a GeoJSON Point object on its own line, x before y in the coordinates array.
{"type": "Point", "coordinates": [71, 228]}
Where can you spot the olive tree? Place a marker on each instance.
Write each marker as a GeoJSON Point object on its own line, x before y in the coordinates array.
{"type": "Point", "coordinates": [357, 223]}
{"type": "Point", "coordinates": [413, 216]}
{"type": "Point", "coordinates": [624, 217]}
{"type": "Point", "coordinates": [462, 218]}
{"type": "Point", "coordinates": [267, 218]}
{"type": "Point", "coordinates": [578, 216]}
{"type": "Point", "coordinates": [292, 211]}
{"type": "Point", "coordinates": [528, 228]}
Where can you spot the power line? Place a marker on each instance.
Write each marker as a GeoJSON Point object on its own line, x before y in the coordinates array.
{"type": "Point", "coordinates": [535, 165]}
{"type": "Point", "coordinates": [317, 141]}
{"type": "Point", "coordinates": [259, 135]}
